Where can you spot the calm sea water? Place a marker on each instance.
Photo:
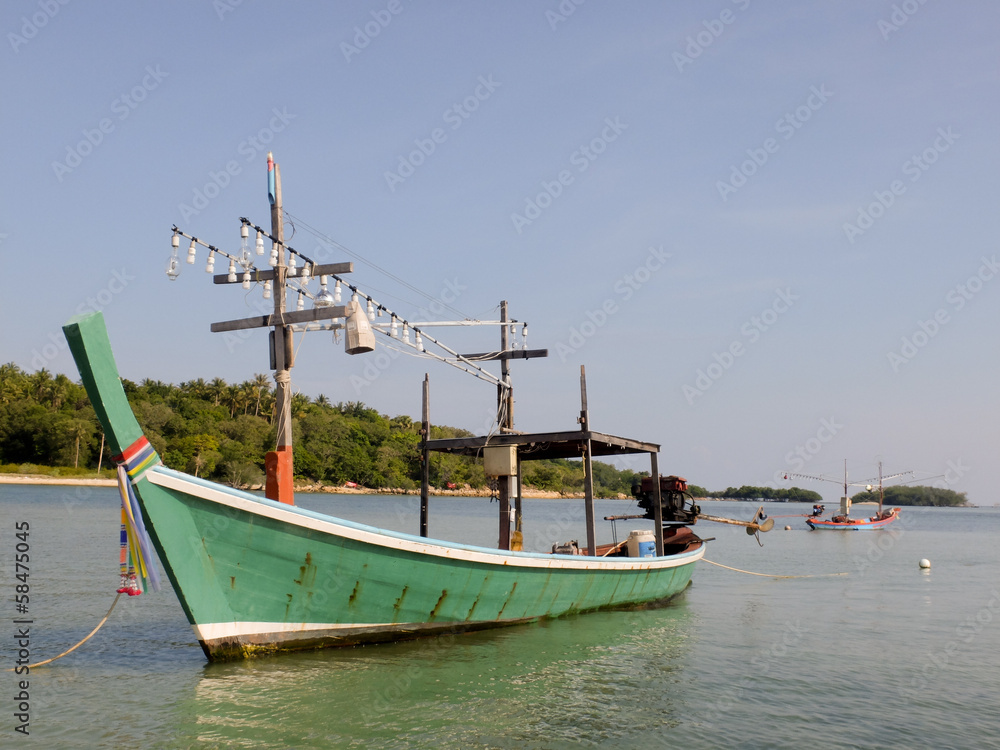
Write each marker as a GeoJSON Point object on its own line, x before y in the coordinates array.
{"type": "Point", "coordinates": [885, 656]}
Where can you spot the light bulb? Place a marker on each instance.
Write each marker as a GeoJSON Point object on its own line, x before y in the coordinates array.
{"type": "Point", "coordinates": [306, 272]}
{"type": "Point", "coordinates": [324, 298]}
{"type": "Point", "coordinates": [273, 260]}
{"type": "Point", "coordinates": [210, 265]}
{"type": "Point", "coordinates": [246, 279]}
{"type": "Point", "coordinates": [267, 289]}
{"type": "Point", "coordinates": [420, 342]}
{"type": "Point", "coordinates": [232, 271]}
{"type": "Point", "coordinates": [259, 247]}
{"type": "Point", "coordinates": [371, 310]}
{"type": "Point", "coordinates": [301, 303]}
{"type": "Point", "coordinates": [406, 333]}
{"type": "Point", "coordinates": [191, 252]}
{"type": "Point", "coordinates": [354, 298]}
{"type": "Point", "coordinates": [291, 265]}
{"type": "Point", "coordinates": [173, 268]}
{"type": "Point", "coordinates": [394, 328]}
{"type": "Point", "coordinates": [336, 293]}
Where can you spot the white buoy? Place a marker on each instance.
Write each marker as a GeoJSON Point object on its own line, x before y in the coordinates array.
{"type": "Point", "coordinates": [924, 563]}
{"type": "Point", "coordinates": [788, 528]}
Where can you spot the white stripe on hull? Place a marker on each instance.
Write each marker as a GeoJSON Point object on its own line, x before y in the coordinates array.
{"type": "Point", "coordinates": [370, 535]}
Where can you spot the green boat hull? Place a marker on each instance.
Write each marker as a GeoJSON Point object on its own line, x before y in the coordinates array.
{"type": "Point", "coordinates": [256, 576]}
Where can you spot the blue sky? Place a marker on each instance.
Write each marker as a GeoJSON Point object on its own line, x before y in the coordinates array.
{"type": "Point", "coordinates": [767, 230]}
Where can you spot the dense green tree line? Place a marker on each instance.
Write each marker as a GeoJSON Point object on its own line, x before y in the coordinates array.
{"type": "Point", "coordinates": [791, 495]}
{"type": "Point", "coordinates": [221, 431]}
{"type": "Point", "coordinates": [916, 495]}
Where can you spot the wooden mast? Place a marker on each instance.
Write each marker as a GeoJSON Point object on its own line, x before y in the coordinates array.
{"type": "Point", "coordinates": [505, 425]}
{"type": "Point", "coordinates": [588, 467]}
{"type": "Point", "coordinates": [425, 456]}
{"type": "Point", "coordinates": [278, 463]}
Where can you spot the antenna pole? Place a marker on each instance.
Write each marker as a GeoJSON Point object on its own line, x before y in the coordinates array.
{"type": "Point", "coordinates": [425, 457]}
{"type": "Point", "coordinates": [278, 463]}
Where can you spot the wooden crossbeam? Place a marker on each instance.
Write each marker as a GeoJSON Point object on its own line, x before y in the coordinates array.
{"type": "Point", "coordinates": [325, 269]}
{"type": "Point", "coordinates": [288, 318]}
{"type": "Point", "coordinates": [515, 354]}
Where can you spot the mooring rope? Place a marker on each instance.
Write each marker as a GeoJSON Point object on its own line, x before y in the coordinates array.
{"type": "Point", "coordinates": [771, 575]}
{"type": "Point", "coordinates": [74, 648]}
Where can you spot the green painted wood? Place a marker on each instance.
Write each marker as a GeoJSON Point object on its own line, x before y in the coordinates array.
{"type": "Point", "coordinates": [234, 567]}
{"type": "Point", "coordinates": [88, 341]}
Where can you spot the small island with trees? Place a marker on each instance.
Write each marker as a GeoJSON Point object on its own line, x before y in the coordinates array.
{"type": "Point", "coordinates": [221, 431]}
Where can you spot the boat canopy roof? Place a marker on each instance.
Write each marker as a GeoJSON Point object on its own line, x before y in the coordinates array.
{"type": "Point", "coordinates": [542, 445]}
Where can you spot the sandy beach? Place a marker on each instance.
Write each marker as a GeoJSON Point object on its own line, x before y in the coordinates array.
{"type": "Point", "coordinates": [467, 492]}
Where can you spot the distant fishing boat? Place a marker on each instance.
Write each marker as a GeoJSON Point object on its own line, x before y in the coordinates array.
{"type": "Point", "coordinates": [843, 520]}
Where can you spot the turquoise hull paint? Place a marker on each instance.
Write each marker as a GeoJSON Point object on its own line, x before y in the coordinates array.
{"type": "Point", "coordinates": [255, 576]}
{"type": "Point", "coordinates": [309, 587]}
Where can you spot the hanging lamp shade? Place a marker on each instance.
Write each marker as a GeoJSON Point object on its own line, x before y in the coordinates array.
{"type": "Point", "coordinates": [360, 338]}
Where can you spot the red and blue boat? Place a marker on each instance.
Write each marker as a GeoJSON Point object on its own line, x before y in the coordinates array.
{"type": "Point", "coordinates": [844, 522]}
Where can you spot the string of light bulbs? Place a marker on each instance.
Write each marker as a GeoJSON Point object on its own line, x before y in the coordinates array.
{"type": "Point", "coordinates": [297, 221]}
{"type": "Point", "coordinates": [323, 298]}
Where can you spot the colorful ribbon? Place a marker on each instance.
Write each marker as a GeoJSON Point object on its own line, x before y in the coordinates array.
{"type": "Point", "coordinates": [136, 548]}
{"type": "Point", "coordinates": [138, 458]}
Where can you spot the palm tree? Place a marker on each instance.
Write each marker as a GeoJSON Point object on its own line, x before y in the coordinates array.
{"type": "Point", "coordinates": [78, 429]}
{"type": "Point", "coordinates": [40, 382]}
{"type": "Point", "coordinates": [12, 383]}
{"type": "Point", "coordinates": [234, 398]}
{"type": "Point", "coordinates": [299, 403]}
{"type": "Point", "coordinates": [261, 384]}
{"type": "Point", "coordinates": [216, 390]}
{"type": "Point", "coordinates": [59, 390]}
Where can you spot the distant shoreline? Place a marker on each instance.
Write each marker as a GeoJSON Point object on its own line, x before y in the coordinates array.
{"type": "Point", "coordinates": [37, 479]}
{"type": "Point", "coordinates": [313, 488]}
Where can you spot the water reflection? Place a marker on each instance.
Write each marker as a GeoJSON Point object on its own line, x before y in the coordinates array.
{"type": "Point", "coordinates": [594, 676]}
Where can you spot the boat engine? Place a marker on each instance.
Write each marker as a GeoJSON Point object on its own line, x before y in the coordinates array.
{"type": "Point", "coordinates": [673, 496]}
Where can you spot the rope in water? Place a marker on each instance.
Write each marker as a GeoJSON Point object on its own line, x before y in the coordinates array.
{"type": "Point", "coordinates": [771, 575]}
{"type": "Point", "coordinates": [74, 648]}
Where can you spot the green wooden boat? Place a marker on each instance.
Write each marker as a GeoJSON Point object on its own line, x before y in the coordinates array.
{"type": "Point", "coordinates": [257, 576]}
